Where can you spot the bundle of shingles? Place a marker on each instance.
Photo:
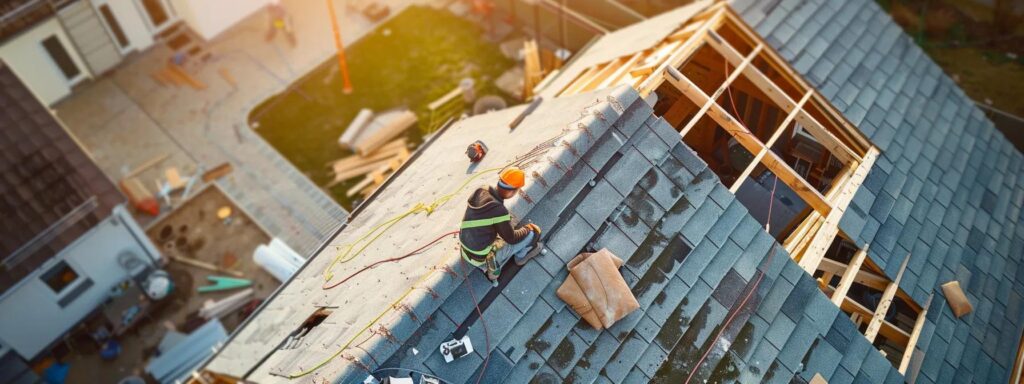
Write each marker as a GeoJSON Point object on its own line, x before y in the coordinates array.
{"type": "Point", "coordinates": [377, 149]}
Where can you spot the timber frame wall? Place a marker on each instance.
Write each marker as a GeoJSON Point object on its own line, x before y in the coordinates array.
{"type": "Point", "coordinates": [721, 29]}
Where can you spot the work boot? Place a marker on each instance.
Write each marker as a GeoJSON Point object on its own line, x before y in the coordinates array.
{"type": "Point", "coordinates": [536, 249]}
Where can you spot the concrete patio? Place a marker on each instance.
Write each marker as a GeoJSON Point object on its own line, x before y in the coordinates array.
{"type": "Point", "coordinates": [126, 118]}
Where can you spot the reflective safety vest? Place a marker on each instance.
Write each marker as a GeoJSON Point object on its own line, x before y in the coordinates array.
{"type": "Point", "coordinates": [480, 254]}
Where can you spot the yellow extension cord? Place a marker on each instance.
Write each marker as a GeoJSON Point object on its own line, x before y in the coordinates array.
{"type": "Point", "coordinates": [369, 238]}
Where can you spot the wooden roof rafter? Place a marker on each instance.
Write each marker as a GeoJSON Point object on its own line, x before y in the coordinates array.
{"type": "Point", "coordinates": [748, 140]}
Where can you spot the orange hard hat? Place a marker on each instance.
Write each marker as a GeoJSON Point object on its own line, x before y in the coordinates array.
{"type": "Point", "coordinates": [513, 178]}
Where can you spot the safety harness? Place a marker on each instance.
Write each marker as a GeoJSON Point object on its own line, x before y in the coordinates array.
{"type": "Point", "coordinates": [481, 254]}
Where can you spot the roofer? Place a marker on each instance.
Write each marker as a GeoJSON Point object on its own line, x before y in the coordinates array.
{"type": "Point", "coordinates": [487, 237]}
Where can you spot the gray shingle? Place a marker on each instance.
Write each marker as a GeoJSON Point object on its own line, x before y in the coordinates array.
{"type": "Point", "coordinates": [515, 342]}
{"type": "Point", "coordinates": [526, 286]}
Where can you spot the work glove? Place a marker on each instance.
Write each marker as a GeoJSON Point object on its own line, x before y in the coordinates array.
{"type": "Point", "coordinates": [533, 227]}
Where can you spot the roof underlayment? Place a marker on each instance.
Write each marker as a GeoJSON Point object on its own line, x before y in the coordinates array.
{"type": "Point", "coordinates": [947, 188]}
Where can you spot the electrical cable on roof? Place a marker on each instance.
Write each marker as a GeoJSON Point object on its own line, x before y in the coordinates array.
{"type": "Point", "coordinates": [378, 230]}
{"type": "Point", "coordinates": [761, 273]}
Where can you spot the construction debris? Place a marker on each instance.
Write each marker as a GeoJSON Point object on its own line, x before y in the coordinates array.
{"type": "Point", "coordinates": [369, 132]}
{"type": "Point", "coordinates": [956, 298]}
{"type": "Point", "coordinates": [596, 290]}
{"type": "Point", "coordinates": [204, 265]}
{"type": "Point", "coordinates": [139, 196]}
{"type": "Point", "coordinates": [146, 165]}
{"type": "Point", "coordinates": [383, 128]}
{"type": "Point", "coordinates": [218, 309]}
{"type": "Point", "coordinates": [217, 172]}
{"type": "Point", "coordinates": [278, 259]}
{"type": "Point", "coordinates": [374, 166]}
{"type": "Point", "coordinates": [222, 283]}
{"type": "Point", "coordinates": [223, 212]}
{"type": "Point", "coordinates": [355, 128]}
{"type": "Point", "coordinates": [531, 66]}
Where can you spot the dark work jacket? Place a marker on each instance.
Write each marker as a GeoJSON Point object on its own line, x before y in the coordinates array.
{"type": "Point", "coordinates": [485, 203]}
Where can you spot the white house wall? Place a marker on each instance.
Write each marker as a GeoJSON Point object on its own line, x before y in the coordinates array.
{"type": "Point", "coordinates": [210, 18]}
{"type": "Point", "coordinates": [28, 59]}
{"type": "Point", "coordinates": [39, 320]}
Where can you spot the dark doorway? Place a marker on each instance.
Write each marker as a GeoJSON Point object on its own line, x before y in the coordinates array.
{"type": "Point", "coordinates": [60, 56]}
{"type": "Point", "coordinates": [115, 27]}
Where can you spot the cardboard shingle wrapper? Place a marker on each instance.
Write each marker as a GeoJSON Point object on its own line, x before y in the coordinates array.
{"type": "Point", "coordinates": [595, 289]}
{"type": "Point", "coordinates": [957, 299]}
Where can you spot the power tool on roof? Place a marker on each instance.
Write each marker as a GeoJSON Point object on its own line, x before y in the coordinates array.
{"type": "Point", "coordinates": [456, 348]}
{"type": "Point", "coordinates": [476, 151]}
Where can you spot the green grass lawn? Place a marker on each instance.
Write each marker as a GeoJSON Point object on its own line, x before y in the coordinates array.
{"type": "Point", "coordinates": [412, 59]}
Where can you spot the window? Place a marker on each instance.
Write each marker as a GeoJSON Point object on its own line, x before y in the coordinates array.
{"type": "Point", "coordinates": [61, 57]}
{"type": "Point", "coordinates": [115, 27]}
{"type": "Point", "coordinates": [156, 11]}
{"type": "Point", "coordinates": [60, 277]}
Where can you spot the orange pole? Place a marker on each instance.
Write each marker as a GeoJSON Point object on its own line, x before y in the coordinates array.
{"type": "Point", "coordinates": [342, 64]}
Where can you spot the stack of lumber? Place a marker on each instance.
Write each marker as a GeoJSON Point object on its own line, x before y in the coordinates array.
{"type": "Point", "coordinates": [174, 75]}
{"type": "Point", "coordinates": [374, 167]}
{"type": "Point", "coordinates": [368, 132]}
{"type": "Point", "coordinates": [355, 128]}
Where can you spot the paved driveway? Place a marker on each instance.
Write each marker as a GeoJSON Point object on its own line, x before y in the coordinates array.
{"type": "Point", "coordinates": [126, 117]}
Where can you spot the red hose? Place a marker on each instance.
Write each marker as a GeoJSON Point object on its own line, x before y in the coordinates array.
{"type": "Point", "coordinates": [391, 260]}
{"type": "Point", "coordinates": [760, 275]}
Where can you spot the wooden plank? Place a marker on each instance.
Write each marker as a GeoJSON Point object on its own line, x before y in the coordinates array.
{"type": "Point", "coordinates": [393, 162]}
{"type": "Point", "coordinates": [581, 80]}
{"type": "Point", "coordinates": [885, 302]}
{"type": "Point", "coordinates": [388, 150]}
{"type": "Point", "coordinates": [183, 76]}
{"type": "Point", "coordinates": [768, 145]}
{"type": "Point", "coordinates": [654, 60]}
{"type": "Point", "coordinates": [779, 97]}
{"type": "Point", "coordinates": [357, 171]}
{"type": "Point", "coordinates": [850, 275]}
{"type": "Point", "coordinates": [823, 238]}
{"type": "Point", "coordinates": [217, 172]}
{"type": "Point", "coordinates": [915, 335]}
{"type": "Point", "coordinates": [226, 75]}
{"type": "Point", "coordinates": [205, 265]}
{"type": "Point", "coordinates": [146, 165]}
{"type": "Point", "coordinates": [718, 92]}
{"type": "Point", "coordinates": [606, 72]}
{"type": "Point", "coordinates": [862, 277]}
{"type": "Point", "coordinates": [614, 78]}
{"type": "Point", "coordinates": [684, 51]}
{"type": "Point", "coordinates": [744, 137]}
{"type": "Point", "coordinates": [777, 63]}
{"type": "Point", "coordinates": [886, 329]}
{"type": "Point", "coordinates": [374, 140]}
{"type": "Point", "coordinates": [451, 95]}
{"type": "Point", "coordinates": [531, 68]}
{"type": "Point", "coordinates": [684, 32]}
{"type": "Point", "coordinates": [799, 236]}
